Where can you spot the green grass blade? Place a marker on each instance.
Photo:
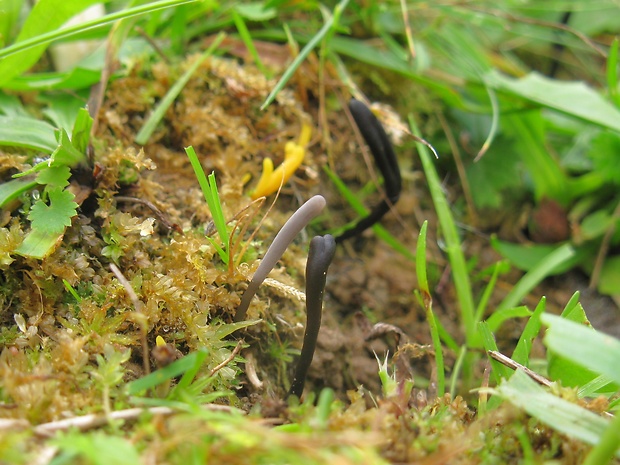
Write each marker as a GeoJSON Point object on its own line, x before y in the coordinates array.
{"type": "Point", "coordinates": [39, 244]}
{"type": "Point", "coordinates": [211, 202]}
{"type": "Point", "coordinates": [244, 33]}
{"type": "Point", "coordinates": [521, 354]}
{"type": "Point", "coordinates": [488, 341]}
{"type": "Point", "coordinates": [216, 210]}
{"type": "Point", "coordinates": [56, 34]}
{"type": "Point", "coordinates": [173, 370]}
{"type": "Point", "coordinates": [460, 273]}
{"type": "Point", "coordinates": [46, 16]}
{"type": "Point", "coordinates": [428, 305]}
{"type": "Point", "coordinates": [329, 24]}
{"type": "Point", "coordinates": [486, 295]}
{"type": "Point", "coordinates": [533, 277]}
{"type": "Point", "coordinates": [153, 120]}
{"type": "Point", "coordinates": [608, 445]}
{"type": "Point", "coordinates": [498, 317]}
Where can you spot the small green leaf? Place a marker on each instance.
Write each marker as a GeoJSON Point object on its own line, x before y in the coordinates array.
{"type": "Point", "coordinates": [609, 280]}
{"type": "Point", "coordinates": [53, 218]}
{"type": "Point", "coordinates": [80, 135]}
{"type": "Point", "coordinates": [54, 176]}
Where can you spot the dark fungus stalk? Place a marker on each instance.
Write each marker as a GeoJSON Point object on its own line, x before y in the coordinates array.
{"type": "Point", "coordinates": [385, 158]}
{"type": "Point", "coordinates": [321, 252]}
{"type": "Point", "coordinates": [283, 239]}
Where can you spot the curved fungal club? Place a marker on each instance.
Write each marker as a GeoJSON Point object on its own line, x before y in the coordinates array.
{"type": "Point", "coordinates": [385, 158]}
{"type": "Point", "coordinates": [283, 239]}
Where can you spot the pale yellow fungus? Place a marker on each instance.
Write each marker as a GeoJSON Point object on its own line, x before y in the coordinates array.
{"type": "Point", "coordinates": [294, 152]}
{"type": "Point", "coordinates": [159, 341]}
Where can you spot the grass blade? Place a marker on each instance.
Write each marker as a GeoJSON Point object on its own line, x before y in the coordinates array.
{"type": "Point", "coordinates": [66, 32]}
{"type": "Point", "coordinates": [460, 273]}
{"type": "Point", "coordinates": [612, 73]}
{"type": "Point", "coordinates": [521, 354]}
{"type": "Point", "coordinates": [329, 24]}
{"type": "Point", "coordinates": [428, 306]}
{"type": "Point", "coordinates": [533, 277]}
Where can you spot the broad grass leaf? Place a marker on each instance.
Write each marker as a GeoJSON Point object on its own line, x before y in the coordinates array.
{"type": "Point", "coordinates": [596, 353]}
{"type": "Point", "coordinates": [561, 415]}
{"type": "Point", "coordinates": [45, 16]}
{"type": "Point", "coordinates": [573, 98]}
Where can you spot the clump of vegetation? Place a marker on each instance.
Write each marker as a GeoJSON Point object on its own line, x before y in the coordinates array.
{"type": "Point", "coordinates": [124, 334]}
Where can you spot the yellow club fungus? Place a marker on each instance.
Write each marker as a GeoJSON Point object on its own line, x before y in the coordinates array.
{"type": "Point", "coordinates": [294, 152]}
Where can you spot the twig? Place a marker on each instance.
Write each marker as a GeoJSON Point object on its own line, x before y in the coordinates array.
{"type": "Point", "coordinates": [86, 422]}
{"type": "Point", "coordinates": [142, 319]}
{"type": "Point", "coordinates": [230, 358]}
{"type": "Point", "coordinates": [158, 213]}
{"type": "Point", "coordinates": [510, 363]}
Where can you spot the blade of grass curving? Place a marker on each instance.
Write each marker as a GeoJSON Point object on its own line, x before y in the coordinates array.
{"type": "Point", "coordinates": [590, 388]}
{"type": "Point", "coordinates": [486, 295]}
{"type": "Point", "coordinates": [612, 73]}
{"type": "Point", "coordinates": [533, 277]}
{"type": "Point", "coordinates": [45, 15]}
{"type": "Point", "coordinates": [244, 33]}
{"type": "Point", "coordinates": [213, 202]}
{"type": "Point", "coordinates": [498, 317]}
{"type": "Point", "coordinates": [66, 32]}
{"type": "Point", "coordinates": [331, 22]}
{"type": "Point", "coordinates": [153, 120]}
{"type": "Point", "coordinates": [428, 306]}
{"type": "Point", "coordinates": [488, 341]}
{"type": "Point", "coordinates": [361, 210]}
{"type": "Point", "coordinates": [176, 368]}
{"type": "Point", "coordinates": [607, 446]}
{"type": "Point", "coordinates": [494, 123]}
{"type": "Point", "coordinates": [460, 273]}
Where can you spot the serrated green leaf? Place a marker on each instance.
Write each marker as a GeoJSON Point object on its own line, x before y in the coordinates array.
{"type": "Point", "coordinates": [56, 216]}
{"type": "Point", "coordinates": [54, 176]}
{"type": "Point", "coordinates": [66, 153]}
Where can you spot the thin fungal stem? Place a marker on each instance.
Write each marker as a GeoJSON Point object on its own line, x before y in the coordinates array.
{"type": "Point", "coordinates": [283, 239]}
{"type": "Point", "coordinates": [385, 158]}
{"type": "Point", "coordinates": [322, 249]}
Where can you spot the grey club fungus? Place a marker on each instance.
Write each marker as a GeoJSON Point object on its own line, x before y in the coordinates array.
{"type": "Point", "coordinates": [320, 256]}
{"type": "Point", "coordinates": [283, 239]}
